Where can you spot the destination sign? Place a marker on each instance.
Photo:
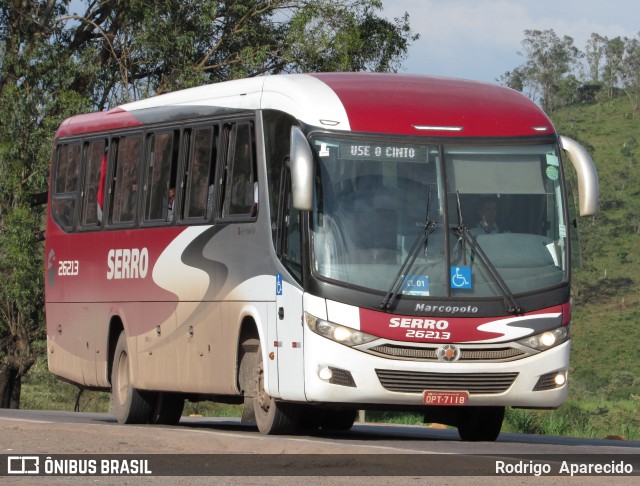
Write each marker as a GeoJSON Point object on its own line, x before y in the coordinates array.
{"type": "Point", "coordinates": [383, 152]}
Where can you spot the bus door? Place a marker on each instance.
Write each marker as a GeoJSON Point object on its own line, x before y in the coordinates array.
{"type": "Point", "coordinates": [289, 319]}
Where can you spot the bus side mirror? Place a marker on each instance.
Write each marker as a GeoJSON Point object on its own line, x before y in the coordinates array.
{"type": "Point", "coordinates": [587, 175]}
{"type": "Point", "coordinates": [301, 163]}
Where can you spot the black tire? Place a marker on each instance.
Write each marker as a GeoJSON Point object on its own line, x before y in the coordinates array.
{"type": "Point", "coordinates": [272, 417]}
{"type": "Point", "coordinates": [167, 408]}
{"type": "Point", "coordinates": [338, 419]}
{"type": "Point", "coordinates": [129, 405]}
{"type": "Point", "coordinates": [481, 423]}
{"type": "Point", "coordinates": [310, 418]}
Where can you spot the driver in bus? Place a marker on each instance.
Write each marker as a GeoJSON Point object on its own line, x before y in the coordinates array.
{"type": "Point", "coordinates": [488, 212]}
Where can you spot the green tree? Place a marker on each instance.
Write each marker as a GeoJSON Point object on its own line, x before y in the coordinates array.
{"type": "Point", "coordinates": [630, 72]}
{"type": "Point", "coordinates": [515, 79]}
{"type": "Point", "coordinates": [329, 36]}
{"type": "Point", "coordinates": [594, 53]}
{"type": "Point", "coordinates": [546, 76]}
{"type": "Point", "coordinates": [33, 76]}
{"type": "Point", "coordinates": [613, 55]}
{"type": "Point", "coordinates": [140, 48]}
{"type": "Point", "coordinates": [55, 63]}
{"type": "Point", "coordinates": [549, 60]}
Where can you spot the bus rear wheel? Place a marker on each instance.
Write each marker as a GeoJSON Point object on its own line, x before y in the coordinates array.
{"type": "Point", "coordinates": [480, 423]}
{"type": "Point", "coordinates": [167, 408]}
{"type": "Point", "coordinates": [272, 417]}
{"type": "Point", "coordinates": [130, 406]}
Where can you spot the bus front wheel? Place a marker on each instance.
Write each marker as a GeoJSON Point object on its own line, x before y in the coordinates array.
{"type": "Point", "coordinates": [129, 405]}
{"type": "Point", "coordinates": [481, 423]}
{"type": "Point", "coordinates": [272, 417]}
{"type": "Point", "coordinates": [339, 420]}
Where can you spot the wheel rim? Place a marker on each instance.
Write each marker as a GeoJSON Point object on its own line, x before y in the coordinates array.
{"type": "Point", "coordinates": [122, 386]}
{"type": "Point", "coordinates": [262, 398]}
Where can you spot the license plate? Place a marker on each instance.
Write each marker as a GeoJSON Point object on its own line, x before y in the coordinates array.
{"type": "Point", "coordinates": [458, 398]}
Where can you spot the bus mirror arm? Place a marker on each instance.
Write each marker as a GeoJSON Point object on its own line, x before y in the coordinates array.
{"type": "Point", "coordinates": [301, 164]}
{"type": "Point", "coordinates": [587, 175]}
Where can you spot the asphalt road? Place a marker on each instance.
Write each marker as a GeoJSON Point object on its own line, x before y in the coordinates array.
{"type": "Point", "coordinates": [223, 451]}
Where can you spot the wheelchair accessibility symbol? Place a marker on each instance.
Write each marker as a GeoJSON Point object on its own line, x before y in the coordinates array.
{"type": "Point", "coordinates": [461, 277]}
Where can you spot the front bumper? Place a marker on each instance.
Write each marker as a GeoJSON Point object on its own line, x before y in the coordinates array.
{"type": "Point", "coordinates": [502, 383]}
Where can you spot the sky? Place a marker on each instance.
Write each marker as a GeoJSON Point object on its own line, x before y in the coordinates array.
{"type": "Point", "coordinates": [480, 39]}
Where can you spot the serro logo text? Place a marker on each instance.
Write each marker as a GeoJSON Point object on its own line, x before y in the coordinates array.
{"type": "Point", "coordinates": [418, 323]}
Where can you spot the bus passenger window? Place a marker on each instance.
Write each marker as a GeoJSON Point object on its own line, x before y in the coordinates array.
{"type": "Point", "coordinates": [94, 155]}
{"type": "Point", "coordinates": [161, 161]}
{"type": "Point", "coordinates": [68, 164]}
{"type": "Point", "coordinates": [242, 173]}
{"type": "Point", "coordinates": [200, 174]}
{"type": "Point", "coordinates": [63, 210]}
{"type": "Point", "coordinates": [125, 193]}
{"type": "Point", "coordinates": [66, 185]}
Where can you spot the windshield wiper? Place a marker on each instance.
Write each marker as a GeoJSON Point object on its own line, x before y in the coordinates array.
{"type": "Point", "coordinates": [462, 232]}
{"type": "Point", "coordinates": [420, 242]}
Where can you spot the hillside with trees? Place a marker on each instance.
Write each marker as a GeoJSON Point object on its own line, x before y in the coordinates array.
{"type": "Point", "coordinates": [604, 397]}
{"type": "Point", "coordinates": [556, 73]}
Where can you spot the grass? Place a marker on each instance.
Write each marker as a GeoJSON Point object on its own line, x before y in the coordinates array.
{"type": "Point", "coordinates": [600, 419]}
{"type": "Point", "coordinates": [42, 391]}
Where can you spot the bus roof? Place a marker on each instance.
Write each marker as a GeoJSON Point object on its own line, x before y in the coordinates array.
{"type": "Point", "coordinates": [362, 102]}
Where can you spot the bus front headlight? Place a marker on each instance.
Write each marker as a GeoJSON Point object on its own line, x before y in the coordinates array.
{"type": "Point", "coordinates": [336, 332]}
{"type": "Point", "coordinates": [547, 339]}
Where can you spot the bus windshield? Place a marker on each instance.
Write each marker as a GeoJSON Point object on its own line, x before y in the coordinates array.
{"type": "Point", "coordinates": [493, 216]}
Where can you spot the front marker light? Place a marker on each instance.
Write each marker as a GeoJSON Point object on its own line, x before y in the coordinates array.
{"type": "Point", "coordinates": [547, 339]}
{"type": "Point", "coordinates": [340, 334]}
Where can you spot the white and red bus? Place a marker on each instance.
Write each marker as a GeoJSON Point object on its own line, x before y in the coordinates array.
{"type": "Point", "coordinates": [315, 244]}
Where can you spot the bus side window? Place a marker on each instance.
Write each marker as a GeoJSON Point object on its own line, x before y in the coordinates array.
{"type": "Point", "coordinates": [291, 246]}
{"type": "Point", "coordinates": [277, 133]}
{"type": "Point", "coordinates": [94, 153]}
{"type": "Point", "coordinates": [241, 175]}
{"type": "Point", "coordinates": [161, 159]}
{"type": "Point", "coordinates": [66, 184]}
{"type": "Point", "coordinates": [125, 189]}
{"type": "Point", "coordinates": [200, 173]}
{"type": "Point", "coordinates": [68, 164]}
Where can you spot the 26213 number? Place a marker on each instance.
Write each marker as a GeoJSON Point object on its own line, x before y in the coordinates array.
{"type": "Point", "coordinates": [424, 334]}
{"type": "Point", "coordinates": [68, 267]}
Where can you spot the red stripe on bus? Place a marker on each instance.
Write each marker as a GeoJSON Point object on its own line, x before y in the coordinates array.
{"type": "Point", "coordinates": [92, 122]}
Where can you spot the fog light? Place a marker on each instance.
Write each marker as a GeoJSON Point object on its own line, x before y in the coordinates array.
{"type": "Point", "coordinates": [325, 373]}
{"type": "Point", "coordinates": [336, 376]}
{"type": "Point", "coordinates": [551, 381]}
{"type": "Point", "coordinates": [560, 379]}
